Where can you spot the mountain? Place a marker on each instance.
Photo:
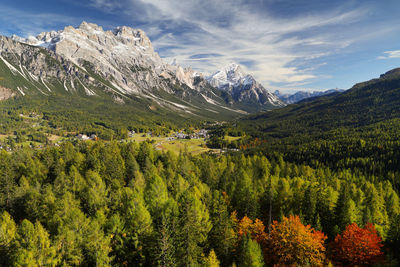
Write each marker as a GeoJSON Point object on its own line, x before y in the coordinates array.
{"type": "Point", "coordinates": [300, 95]}
{"type": "Point", "coordinates": [243, 90]}
{"type": "Point", "coordinates": [365, 104]}
{"type": "Point", "coordinates": [90, 64]}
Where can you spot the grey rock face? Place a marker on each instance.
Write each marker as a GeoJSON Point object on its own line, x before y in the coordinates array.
{"type": "Point", "coordinates": [125, 56]}
{"type": "Point", "coordinates": [243, 88]}
{"type": "Point", "coordinates": [123, 64]}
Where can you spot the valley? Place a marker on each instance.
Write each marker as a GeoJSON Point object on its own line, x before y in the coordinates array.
{"type": "Point", "coordinates": [111, 156]}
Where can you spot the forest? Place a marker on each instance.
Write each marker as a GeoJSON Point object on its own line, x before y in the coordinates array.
{"type": "Point", "coordinates": [312, 184]}
{"type": "Point", "coordinates": [127, 204]}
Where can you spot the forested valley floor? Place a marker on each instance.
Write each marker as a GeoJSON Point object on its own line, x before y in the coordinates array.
{"type": "Point", "coordinates": [127, 204]}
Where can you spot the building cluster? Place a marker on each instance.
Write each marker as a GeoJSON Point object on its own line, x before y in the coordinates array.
{"type": "Point", "coordinates": [131, 133]}
{"type": "Point", "coordinates": [203, 133]}
{"type": "Point", "coordinates": [84, 137]}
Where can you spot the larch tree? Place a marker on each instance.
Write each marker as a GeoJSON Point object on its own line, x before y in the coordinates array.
{"type": "Point", "coordinates": [194, 227]}
{"type": "Point", "coordinates": [34, 246]}
{"type": "Point", "coordinates": [8, 231]}
{"type": "Point", "coordinates": [251, 253]}
{"type": "Point", "coordinates": [212, 260]}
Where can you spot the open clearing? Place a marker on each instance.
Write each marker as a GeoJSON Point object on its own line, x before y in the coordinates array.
{"type": "Point", "coordinates": [193, 146]}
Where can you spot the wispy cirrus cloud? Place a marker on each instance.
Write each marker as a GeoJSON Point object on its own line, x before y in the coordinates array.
{"type": "Point", "coordinates": [275, 50]}
{"type": "Point", "coordinates": [390, 54]}
{"type": "Point", "coordinates": [283, 43]}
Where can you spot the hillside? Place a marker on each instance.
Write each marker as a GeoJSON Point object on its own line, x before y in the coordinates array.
{"type": "Point", "coordinates": [364, 104]}
{"type": "Point", "coordinates": [114, 75]}
{"type": "Point", "coordinates": [358, 130]}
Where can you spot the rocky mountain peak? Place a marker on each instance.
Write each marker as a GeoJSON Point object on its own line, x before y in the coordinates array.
{"type": "Point", "coordinates": [125, 60]}
{"type": "Point", "coordinates": [85, 26]}
{"type": "Point", "coordinates": [229, 75]}
{"type": "Point", "coordinates": [242, 87]}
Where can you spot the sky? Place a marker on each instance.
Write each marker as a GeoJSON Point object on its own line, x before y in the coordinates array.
{"type": "Point", "coordinates": [288, 45]}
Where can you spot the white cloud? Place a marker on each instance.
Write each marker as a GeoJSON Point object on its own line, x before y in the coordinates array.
{"type": "Point", "coordinates": [390, 54]}
{"type": "Point", "coordinates": [274, 49]}
{"type": "Point", "coordinates": [238, 33]}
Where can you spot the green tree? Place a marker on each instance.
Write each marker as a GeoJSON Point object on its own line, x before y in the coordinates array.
{"type": "Point", "coordinates": [193, 229]}
{"type": "Point", "coordinates": [33, 246]}
{"type": "Point", "coordinates": [166, 235]}
{"type": "Point", "coordinates": [346, 211]}
{"type": "Point", "coordinates": [222, 236]}
{"type": "Point", "coordinates": [7, 180]}
{"type": "Point", "coordinates": [95, 193]}
{"type": "Point", "coordinates": [212, 260]}
{"type": "Point", "coordinates": [251, 253]}
{"type": "Point", "coordinates": [97, 246]}
{"type": "Point", "coordinates": [8, 232]}
{"type": "Point", "coordinates": [138, 230]}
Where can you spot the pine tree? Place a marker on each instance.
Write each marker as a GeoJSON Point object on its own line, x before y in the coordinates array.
{"type": "Point", "coordinates": [211, 260]}
{"type": "Point", "coordinates": [251, 253]}
{"type": "Point", "coordinates": [8, 231]}
{"type": "Point", "coordinates": [34, 247]}
{"type": "Point", "coordinates": [194, 228]}
{"type": "Point", "coordinates": [346, 211]}
{"type": "Point", "coordinates": [222, 235]}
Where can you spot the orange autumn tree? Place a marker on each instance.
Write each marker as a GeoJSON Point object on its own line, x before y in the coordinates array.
{"type": "Point", "coordinates": [246, 228]}
{"type": "Point", "coordinates": [357, 246]}
{"type": "Point", "coordinates": [291, 243]}
{"type": "Point", "coordinates": [255, 229]}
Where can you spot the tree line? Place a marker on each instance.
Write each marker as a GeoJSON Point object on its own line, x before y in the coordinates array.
{"type": "Point", "coordinates": [101, 204]}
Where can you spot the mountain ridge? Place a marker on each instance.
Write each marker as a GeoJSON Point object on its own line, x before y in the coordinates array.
{"type": "Point", "coordinates": [301, 95]}
{"type": "Point", "coordinates": [366, 103]}
{"type": "Point", "coordinates": [243, 88]}
{"type": "Point", "coordinates": [36, 70]}
{"type": "Point", "coordinates": [122, 63]}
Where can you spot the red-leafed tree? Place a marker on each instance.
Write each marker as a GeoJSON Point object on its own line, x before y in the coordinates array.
{"type": "Point", "coordinates": [357, 246]}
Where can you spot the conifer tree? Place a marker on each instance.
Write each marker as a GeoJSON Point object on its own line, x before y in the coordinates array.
{"type": "Point", "coordinates": [34, 247]}
{"type": "Point", "coordinates": [212, 260]}
{"type": "Point", "coordinates": [194, 228]}
{"type": "Point", "coordinates": [8, 231]}
{"type": "Point", "coordinates": [251, 253]}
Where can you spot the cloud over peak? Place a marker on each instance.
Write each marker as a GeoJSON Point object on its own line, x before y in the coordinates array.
{"type": "Point", "coordinates": [282, 43]}
{"type": "Point", "coordinates": [236, 31]}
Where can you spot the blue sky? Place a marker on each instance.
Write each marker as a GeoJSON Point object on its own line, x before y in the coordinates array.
{"type": "Point", "coordinates": [286, 45]}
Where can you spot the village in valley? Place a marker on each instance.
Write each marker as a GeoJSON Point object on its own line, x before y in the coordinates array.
{"type": "Point", "coordinates": [35, 132]}
{"type": "Point", "coordinates": [193, 141]}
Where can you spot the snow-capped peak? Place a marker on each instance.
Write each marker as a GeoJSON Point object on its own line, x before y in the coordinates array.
{"type": "Point", "coordinates": [229, 75]}
{"type": "Point", "coordinates": [242, 86]}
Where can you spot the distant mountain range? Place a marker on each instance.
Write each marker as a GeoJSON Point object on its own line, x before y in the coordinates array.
{"type": "Point", "coordinates": [301, 95]}
{"type": "Point", "coordinates": [122, 65]}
